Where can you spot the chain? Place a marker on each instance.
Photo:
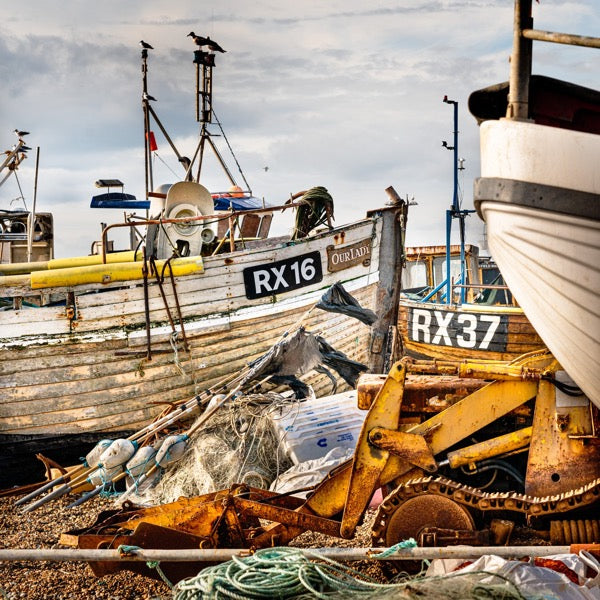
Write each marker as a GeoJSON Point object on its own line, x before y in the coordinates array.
{"type": "Point", "coordinates": [474, 498]}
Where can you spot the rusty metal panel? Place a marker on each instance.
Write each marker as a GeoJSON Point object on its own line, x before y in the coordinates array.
{"type": "Point", "coordinates": [559, 459]}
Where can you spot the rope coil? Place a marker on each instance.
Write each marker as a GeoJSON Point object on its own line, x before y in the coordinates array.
{"type": "Point", "coordinates": [294, 573]}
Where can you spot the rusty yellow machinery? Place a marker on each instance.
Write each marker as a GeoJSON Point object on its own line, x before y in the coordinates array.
{"type": "Point", "coordinates": [462, 450]}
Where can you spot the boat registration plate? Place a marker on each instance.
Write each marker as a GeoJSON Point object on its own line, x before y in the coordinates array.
{"type": "Point", "coordinates": [283, 275]}
{"type": "Point", "coordinates": [458, 329]}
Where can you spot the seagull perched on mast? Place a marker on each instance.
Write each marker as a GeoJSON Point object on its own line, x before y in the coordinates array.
{"type": "Point", "coordinates": [205, 41]}
{"type": "Point", "coordinates": [20, 133]}
{"type": "Point", "coordinates": [146, 45]}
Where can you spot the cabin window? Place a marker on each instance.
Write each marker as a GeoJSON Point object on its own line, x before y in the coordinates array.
{"type": "Point", "coordinates": [439, 269]}
{"type": "Point", "coordinates": [414, 275]}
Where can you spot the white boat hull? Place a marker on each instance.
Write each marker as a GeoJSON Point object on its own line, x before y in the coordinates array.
{"type": "Point", "coordinates": [62, 376]}
{"type": "Point", "coordinates": [549, 258]}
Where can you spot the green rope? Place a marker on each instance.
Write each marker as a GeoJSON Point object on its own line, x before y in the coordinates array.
{"type": "Point", "coordinates": [409, 543]}
{"type": "Point", "coordinates": [124, 550]}
{"type": "Point", "coordinates": [282, 573]}
{"type": "Point", "coordinates": [155, 564]}
{"type": "Point", "coordinates": [276, 573]}
{"type": "Point", "coordinates": [316, 208]}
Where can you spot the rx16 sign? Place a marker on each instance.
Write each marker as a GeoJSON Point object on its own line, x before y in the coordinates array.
{"type": "Point", "coordinates": [458, 329]}
{"type": "Point", "coordinates": [283, 275]}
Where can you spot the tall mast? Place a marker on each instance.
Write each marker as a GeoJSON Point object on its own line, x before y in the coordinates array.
{"type": "Point", "coordinates": [455, 212]}
{"type": "Point", "coordinates": [145, 107]}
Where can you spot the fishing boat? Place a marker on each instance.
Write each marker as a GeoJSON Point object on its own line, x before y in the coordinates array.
{"type": "Point", "coordinates": [97, 346]}
{"type": "Point", "coordinates": [454, 303]}
{"type": "Point", "coordinates": [486, 324]}
{"type": "Point", "coordinates": [539, 195]}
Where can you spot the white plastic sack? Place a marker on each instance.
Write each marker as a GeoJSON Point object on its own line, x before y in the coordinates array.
{"type": "Point", "coordinates": [532, 581]}
{"type": "Point", "coordinates": [310, 472]}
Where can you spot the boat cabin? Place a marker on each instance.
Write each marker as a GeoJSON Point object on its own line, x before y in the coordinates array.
{"type": "Point", "coordinates": [424, 276]}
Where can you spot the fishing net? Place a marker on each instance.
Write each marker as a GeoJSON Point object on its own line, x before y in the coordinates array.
{"type": "Point", "coordinates": [238, 444]}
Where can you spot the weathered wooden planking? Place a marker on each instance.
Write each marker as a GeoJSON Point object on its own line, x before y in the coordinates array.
{"type": "Point", "coordinates": [439, 338]}
{"type": "Point", "coordinates": [121, 308]}
{"type": "Point", "coordinates": [81, 405]}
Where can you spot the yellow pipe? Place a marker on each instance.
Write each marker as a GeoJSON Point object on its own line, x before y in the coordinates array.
{"type": "Point", "coordinates": [96, 259]}
{"type": "Point", "coordinates": [109, 273]}
{"type": "Point", "coordinates": [14, 280]}
{"type": "Point", "coordinates": [22, 268]}
{"type": "Point", "coordinates": [73, 261]}
{"type": "Point", "coordinates": [490, 448]}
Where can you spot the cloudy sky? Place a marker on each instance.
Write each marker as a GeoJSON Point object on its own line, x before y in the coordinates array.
{"type": "Point", "coordinates": [345, 94]}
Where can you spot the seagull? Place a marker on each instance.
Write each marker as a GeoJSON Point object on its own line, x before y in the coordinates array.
{"type": "Point", "coordinates": [20, 134]}
{"type": "Point", "coordinates": [145, 45]}
{"type": "Point", "coordinates": [205, 41]}
{"type": "Point", "coordinates": [147, 96]}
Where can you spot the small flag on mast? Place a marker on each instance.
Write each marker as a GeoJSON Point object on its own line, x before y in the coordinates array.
{"type": "Point", "coordinates": [152, 141]}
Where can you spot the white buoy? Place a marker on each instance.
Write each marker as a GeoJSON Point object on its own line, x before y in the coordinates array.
{"type": "Point", "coordinates": [102, 475]}
{"type": "Point", "coordinates": [118, 453]}
{"type": "Point", "coordinates": [142, 461]}
{"type": "Point", "coordinates": [92, 458]}
{"type": "Point", "coordinates": [171, 450]}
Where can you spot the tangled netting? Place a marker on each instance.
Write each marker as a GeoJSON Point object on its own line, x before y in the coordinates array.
{"type": "Point", "coordinates": [294, 573]}
{"type": "Point", "coordinates": [238, 444]}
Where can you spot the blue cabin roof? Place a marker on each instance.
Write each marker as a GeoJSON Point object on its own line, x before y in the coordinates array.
{"type": "Point", "coordinates": [118, 200]}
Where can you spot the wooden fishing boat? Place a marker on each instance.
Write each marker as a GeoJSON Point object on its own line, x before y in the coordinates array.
{"type": "Point", "coordinates": [454, 303]}
{"type": "Point", "coordinates": [539, 194]}
{"type": "Point", "coordinates": [485, 323]}
{"type": "Point", "coordinates": [95, 347]}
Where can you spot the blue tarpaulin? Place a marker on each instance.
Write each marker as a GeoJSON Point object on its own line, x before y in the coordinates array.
{"type": "Point", "coordinates": [225, 202]}
{"type": "Point", "coordinates": [222, 202]}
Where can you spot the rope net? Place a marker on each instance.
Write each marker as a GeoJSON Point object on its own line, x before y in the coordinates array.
{"type": "Point", "coordinates": [238, 444]}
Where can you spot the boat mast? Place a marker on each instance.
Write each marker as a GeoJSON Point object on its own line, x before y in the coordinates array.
{"type": "Point", "coordinates": [145, 108]}
{"type": "Point", "coordinates": [455, 212]}
{"type": "Point", "coordinates": [205, 61]}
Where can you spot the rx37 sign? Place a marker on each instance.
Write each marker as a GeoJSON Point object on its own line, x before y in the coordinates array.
{"type": "Point", "coordinates": [458, 329]}
{"type": "Point", "coordinates": [283, 275]}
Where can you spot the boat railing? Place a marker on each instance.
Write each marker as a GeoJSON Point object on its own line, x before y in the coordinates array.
{"type": "Point", "coordinates": [430, 293]}
{"type": "Point", "coordinates": [521, 59]}
{"type": "Point", "coordinates": [232, 216]}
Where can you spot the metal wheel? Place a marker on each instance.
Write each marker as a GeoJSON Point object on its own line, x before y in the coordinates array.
{"type": "Point", "coordinates": [401, 520]}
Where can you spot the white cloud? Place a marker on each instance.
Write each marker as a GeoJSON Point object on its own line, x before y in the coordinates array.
{"type": "Point", "coordinates": [340, 93]}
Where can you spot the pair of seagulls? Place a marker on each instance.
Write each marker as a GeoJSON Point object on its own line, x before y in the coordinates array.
{"type": "Point", "coordinates": [198, 40]}
{"type": "Point", "coordinates": [20, 134]}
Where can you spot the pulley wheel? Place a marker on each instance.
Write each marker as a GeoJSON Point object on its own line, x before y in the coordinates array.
{"type": "Point", "coordinates": [429, 510]}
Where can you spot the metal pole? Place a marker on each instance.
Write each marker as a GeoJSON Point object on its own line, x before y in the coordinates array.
{"type": "Point", "coordinates": [31, 228]}
{"type": "Point", "coordinates": [223, 554]}
{"type": "Point", "coordinates": [561, 38]}
{"type": "Point", "coordinates": [455, 211]}
{"type": "Point", "coordinates": [448, 240]}
{"type": "Point", "coordinates": [520, 63]}
{"type": "Point", "coordinates": [148, 165]}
